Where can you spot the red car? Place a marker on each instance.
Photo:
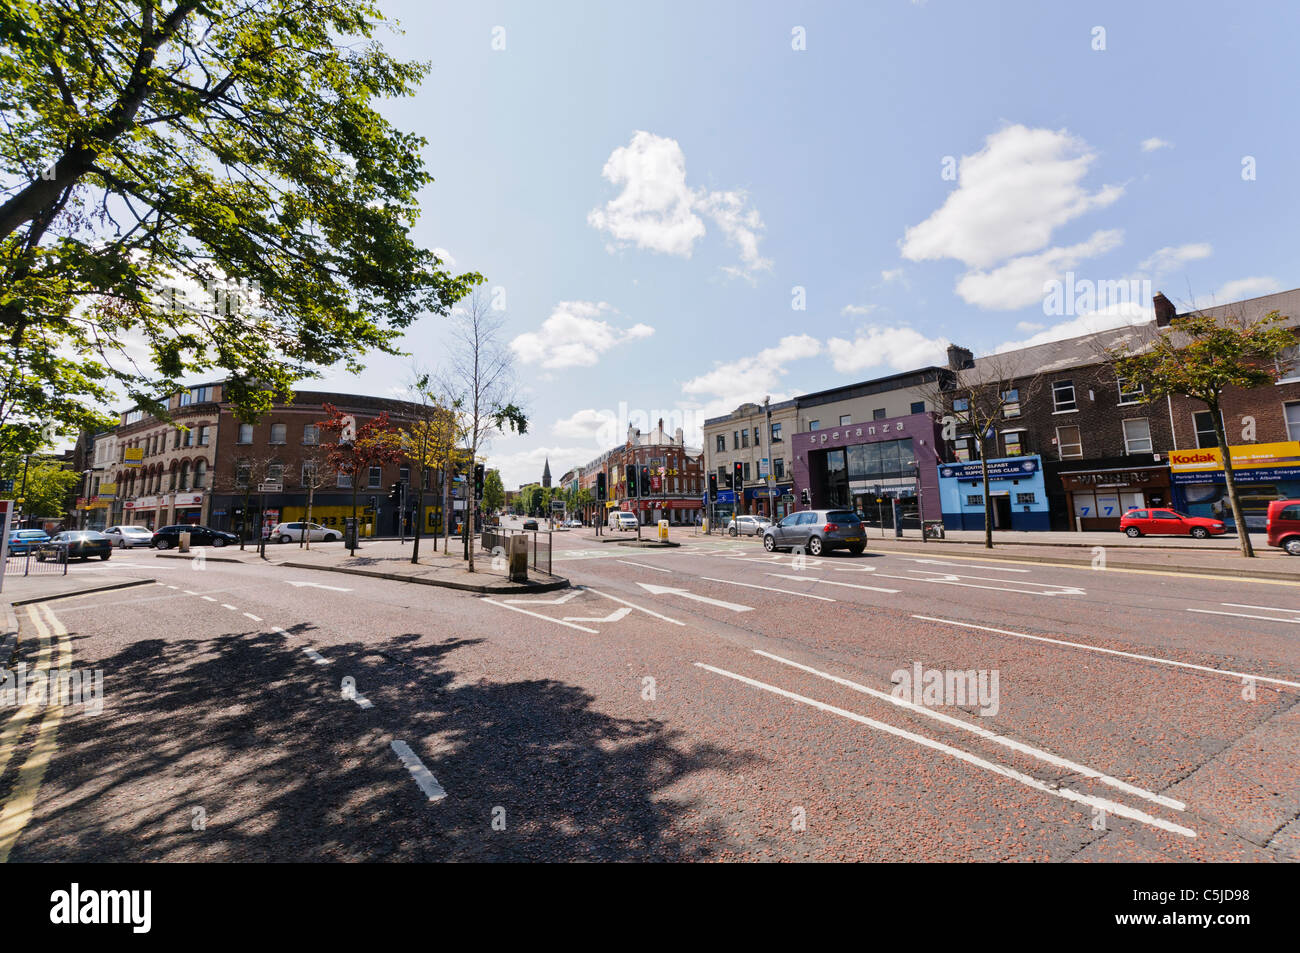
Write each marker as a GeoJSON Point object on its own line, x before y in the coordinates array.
{"type": "Point", "coordinates": [1159, 522]}
{"type": "Point", "coordinates": [1284, 525]}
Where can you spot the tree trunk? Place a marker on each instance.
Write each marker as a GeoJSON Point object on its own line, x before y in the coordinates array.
{"type": "Point", "coordinates": [1230, 483]}
{"type": "Point", "coordinates": [988, 500]}
{"type": "Point", "coordinates": [356, 527]}
{"type": "Point", "coordinates": [311, 495]}
{"type": "Point", "coordinates": [446, 507]}
{"type": "Point", "coordinates": [419, 520]}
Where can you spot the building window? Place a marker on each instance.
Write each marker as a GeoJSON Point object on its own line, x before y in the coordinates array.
{"type": "Point", "coordinates": [778, 466]}
{"type": "Point", "coordinates": [1204, 422]}
{"type": "Point", "coordinates": [1291, 411]}
{"type": "Point", "coordinates": [203, 435]}
{"type": "Point", "coordinates": [1011, 443]}
{"type": "Point", "coordinates": [133, 417]}
{"type": "Point", "coordinates": [846, 419]}
{"type": "Point", "coordinates": [308, 474]}
{"type": "Point", "coordinates": [1011, 403]}
{"type": "Point", "coordinates": [776, 433]}
{"type": "Point", "coordinates": [404, 475]}
{"type": "Point", "coordinates": [735, 440]}
{"type": "Point", "coordinates": [200, 474]}
{"type": "Point", "coordinates": [1069, 443]}
{"type": "Point", "coordinates": [1024, 498]}
{"type": "Point", "coordinates": [745, 472]}
{"type": "Point", "coordinates": [310, 435]}
{"type": "Point", "coordinates": [878, 414]}
{"type": "Point", "coordinates": [1288, 364]}
{"type": "Point", "coordinates": [744, 437]}
{"type": "Point", "coordinates": [1130, 392]}
{"type": "Point", "coordinates": [185, 475]}
{"type": "Point", "coordinates": [376, 477]}
{"type": "Point", "coordinates": [960, 404]}
{"type": "Point", "coordinates": [1063, 397]}
{"type": "Point", "coordinates": [189, 438]}
{"type": "Point", "coordinates": [964, 449]}
{"type": "Point", "coordinates": [814, 425]}
{"type": "Point", "coordinates": [722, 443]}
{"type": "Point", "coordinates": [722, 476]}
{"type": "Point", "coordinates": [975, 499]}
{"type": "Point", "coordinates": [245, 433]}
{"type": "Point", "coordinates": [1137, 435]}
{"type": "Point", "coordinates": [279, 433]}
{"type": "Point", "coordinates": [918, 406]}
{"type": "Point", "coordinates": [275, 472]}
{"type": "Point", "coordinates": [344, 481]}
{"type": "Point", "coordinates": [242, 473]}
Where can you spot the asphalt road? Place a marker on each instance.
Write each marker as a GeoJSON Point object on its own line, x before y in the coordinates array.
{"type": "Point", "coordinates": [709, 702]}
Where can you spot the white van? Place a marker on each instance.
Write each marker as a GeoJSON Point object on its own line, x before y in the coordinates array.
{"type": "Point", "coordinates": [621, 519]}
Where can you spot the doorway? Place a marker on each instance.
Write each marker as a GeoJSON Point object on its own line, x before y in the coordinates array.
{"type": "Point", "coordinates": [1001, 510]}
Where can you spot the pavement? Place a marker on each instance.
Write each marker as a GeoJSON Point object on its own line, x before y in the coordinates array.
{"type": "Point", "coordinates": [704, 702]}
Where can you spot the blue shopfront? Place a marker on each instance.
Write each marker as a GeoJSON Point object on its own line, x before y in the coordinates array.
{"type": "Point", "coordinates": [1017, 492]}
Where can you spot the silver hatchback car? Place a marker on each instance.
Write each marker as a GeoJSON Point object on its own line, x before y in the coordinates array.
{"type": "Point", "coordinates": [817, 531]}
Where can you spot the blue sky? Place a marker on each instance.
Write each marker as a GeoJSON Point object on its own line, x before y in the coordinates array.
{"type": "Point", "coordinates": [649, 184]}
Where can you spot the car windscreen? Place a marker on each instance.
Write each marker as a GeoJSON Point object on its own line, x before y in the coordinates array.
{"type": "Point", "coordinates": [842, 516]}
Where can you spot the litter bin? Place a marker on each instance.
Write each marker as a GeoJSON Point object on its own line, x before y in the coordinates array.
{"type": "Point", "coordinates": [350, 534]}
{"type": "Point", "coordinates": [933, 529]}
{"type": "Point", "coordinates": [518, 557]}
{"type": "Point", "coordinates": [183, 541]}
{"type": "Point", "coordinates": [663, 531]}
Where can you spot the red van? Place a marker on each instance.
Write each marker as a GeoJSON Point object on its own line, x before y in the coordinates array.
{"type": "Point", "coordinates": [1284, 525]}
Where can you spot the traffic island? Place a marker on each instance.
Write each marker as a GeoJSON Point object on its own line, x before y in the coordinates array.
{"type": "Point", "coordinates": [647, 543]}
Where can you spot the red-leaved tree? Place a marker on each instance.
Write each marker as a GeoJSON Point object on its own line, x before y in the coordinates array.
{"type": "Point", "coordinates": [373, 444]}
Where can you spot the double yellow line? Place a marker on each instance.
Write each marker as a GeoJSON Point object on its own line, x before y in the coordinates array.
{"type": "Point", "coordinates": [17, 809]}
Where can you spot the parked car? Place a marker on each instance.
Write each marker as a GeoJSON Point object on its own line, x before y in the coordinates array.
{"type": "Point", "coordinates": [293, 532]}
{"type": "Point", "coordinates": [530, 524]}
{"type": "Point", "coordinates": [128, 537]}
{"type": "Point", "coordinates": [23, 541]}
{"type": "Point", "coordinates": [748, 526]}
{"type": "Point", "coordinates": [1162, 522]}
{"type": "Point", "coordinates": [1284, 525]}
{"type": "Point", "coordinates": [817, 531]}
{"type": "Point", "coordinates": [79, 543]}
{"type": "Point", "coordinates": [168, 536]}
{"type": "Point", "coordinates": [622, 519]}
{"type": "Point", "coordinates": [573, 524]}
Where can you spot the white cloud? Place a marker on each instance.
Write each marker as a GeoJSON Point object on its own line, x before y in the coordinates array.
{"type": "Point", "coordinates": [525, 466]}
{"type": "Point", "coordinates": [448, 259]}
{"type": "Point", "coordinates": [574, 336]}
{"type": "Point", "coordinates": [1173, 257]}
{"type": "Point", "coordinates": [584, 423]}
{"type": "Point", "coordinates": [891, 274]}
{"type": "Point", "coordinates": [658, 211]}
{"type": "Point", "coordinates": [858, 308]}
{"type": "Point", "coordinates": [1011, 195]}
{"type": "Point", "coordinates": [1029, 327]}
{"type": "Point", "coordinates": [897, 349]}
{"type": "Point", "coordinates": [752, 377]}
{"type": "Point", "coordinates": [1019, 282]}
{"type": "Point", "coordinates": [1239, 290]}
{"type": "Point", "coordinates": [1154, 143]}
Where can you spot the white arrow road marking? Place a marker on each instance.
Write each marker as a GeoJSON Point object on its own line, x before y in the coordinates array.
{"type": "Point", "coordinates": [1245, 615]}
{"type": "Point", "coordinates": [422, 775]}
{"type": "Point", "coordinates": [940, 562]}
{"type": "Point", "coordinates": [614, 616]}
{"type": "Point", "coordinates": [1111, 807]}
{"type": "Point", "coordinates": [636, 607]}
{"type": "Point", "coordinates": [750, 585]}
{"type": "Point", "coordinates": [546, 602]}
{"type": "Point", "coordinates": [316, 585]}
{"type": "Point", "coordinates": [1054, 589]}
{"type": "Point", "coordinates": [1098, 648]}
{"type": "Point", "coordinates": [687, 594]}
{"type": "Point", "coordinates": [538, 615]}
{"type": "Point", "coordinates": [831, 582]}
{"type": "Point", "coordinates": [993, 736]}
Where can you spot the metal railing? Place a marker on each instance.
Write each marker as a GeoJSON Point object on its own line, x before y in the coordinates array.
{"type": "Point", "coordinates": [42, 558]}
{"type": "Point", "coordinates": [539, 547]}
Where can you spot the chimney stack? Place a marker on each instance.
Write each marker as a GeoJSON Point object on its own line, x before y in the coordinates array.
{"type": "Point", "coordinates": [1165, 311]}
{"type": "Point", "coordinates": [959, 358]}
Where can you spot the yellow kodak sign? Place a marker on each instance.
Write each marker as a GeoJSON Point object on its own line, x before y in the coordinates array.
{"type": "Point", "coordinates": [1248, 456]}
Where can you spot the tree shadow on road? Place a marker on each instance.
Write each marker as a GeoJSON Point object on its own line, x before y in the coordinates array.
{"type": "Point", "coordinates": [241, 748]}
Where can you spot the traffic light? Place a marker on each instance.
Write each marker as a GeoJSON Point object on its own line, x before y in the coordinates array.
{"type": "Point", "coordinates": [600, 486]}
{"type": "Point", "coordinates": [632, 485]}
{"type": "Point", "coordinates": [645, 481]}
{"type": "Point", "coordinates": [737, 475]}
{"type": "Point", "coordinates": [478, 481]}
{"type": "Point", "coordinates": [395, 493]}
{"type": "Point", "coordinates": [372, 501]}
{"type": "Point", "coordinates": [805, 497]}
{"type": "Point", "coordinates": [713, 486]}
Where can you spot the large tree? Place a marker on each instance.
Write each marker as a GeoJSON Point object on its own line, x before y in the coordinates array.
{"type": "Point", "coordinates": [1202, 357]}
{"type": "Point", "coordinates": [229, 149]}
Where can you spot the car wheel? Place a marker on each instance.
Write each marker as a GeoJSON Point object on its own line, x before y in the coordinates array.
{"type": "Point", "coordinates": [286, 538]}
{"type": "Point", "coordinates": [1200, 532]}
{"type": "Point", "coordinates": [218, 541]}
{"type": "Point", "coordinates": [732, 531]}
{"type": "Point", "coordinates": [769, 543]}
{"type": "Point", "coordinates": [857, 549]}
{"type": "Point", "coordinates": [121, 544]}
{"type": "Point", "coordinates": [104, 555]}
{"type": "Point", "coordinates": [162, 544]}
{"type": "Point", "coordinates": [815, 546]}
{"type": "Point", "coordinates": [1133, 531]}
{"type": "Point", "coordinates": [40, 557]}
{"type": "Point", "coordinates": [330, 538]}
{"type": "Point", "coordinates": [1292, 545]}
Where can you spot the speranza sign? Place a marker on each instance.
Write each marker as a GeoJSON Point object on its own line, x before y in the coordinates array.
{"type": "Point", "coordinates": [1248, 456]}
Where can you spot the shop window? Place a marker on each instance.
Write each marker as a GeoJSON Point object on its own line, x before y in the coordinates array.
{"type": "Point", "coordinates": [279, 433]}
{"type": "Point", "coordinates": [1011, 403]}
{"type": "Point", "coordinates": [245, 433]}
{"type": "Point", "coordinates": [1012, 445]}
{"type": "Point", "coordinates": [1130, 391]}
{"type": "Point", "coordinates": [1063, 399]}
{"type": "Point", "coordinates": [1292, 412]}
{"type": "Point", "coordinates": [1069, 443]}
{"type": "Point", "coordinates": [1137, 435]}
{"type": "Point", "coordinates": [1203, 421]}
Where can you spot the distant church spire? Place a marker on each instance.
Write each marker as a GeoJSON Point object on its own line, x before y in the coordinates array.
{"type": "Point", "coordinates": [546, 474]}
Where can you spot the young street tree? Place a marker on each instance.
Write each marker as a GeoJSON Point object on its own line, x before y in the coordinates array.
{"type": "Point", "coordinates": [494, 493]}
{"type": "Point", "coordinates": [233, 149]}
{"type": "Point", "coordinates": [243, 478]}
{"type": "Point", "coordinates": [1200, 356]}
{"type": "Point", "coordinates": [975, 398]}
{"type": "Point", "coordinates": [482, 374]}
{"type": "Point", "coordinates": [433, 442]}
{"type": "Point", "coordinates": [372, 444]}
{"type": "Point", "coordinates": [316, 473]}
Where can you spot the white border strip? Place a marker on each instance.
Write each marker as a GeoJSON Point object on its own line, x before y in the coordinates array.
{"type": "Point", "coordinates": [422, 775]}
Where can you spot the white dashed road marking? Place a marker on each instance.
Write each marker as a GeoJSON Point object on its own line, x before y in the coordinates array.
{"type": "Point", "coordinates": [253, 617]}
{"type": "Point", "coordinates": [750, 585]}
{"type": "Point", "coordinates": [423, 776]}
{"type": "Point", "coordinates": [312, 654]}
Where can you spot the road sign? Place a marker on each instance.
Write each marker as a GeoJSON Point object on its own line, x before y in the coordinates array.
{"type": "Point", "coordinates": [270, 487]}
{"type": "Point", "coordinates": [762, 468]}
{"type": "Point", "coordinates": [6, 486]}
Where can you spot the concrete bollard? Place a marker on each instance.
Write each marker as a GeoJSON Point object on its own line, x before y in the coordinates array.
{"type": "Point", "coordinates": [663, 531]}
{"type": "Point", "coordinates": [183, 542]}
{"type": "Point", "coordinates": [518, 555]}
